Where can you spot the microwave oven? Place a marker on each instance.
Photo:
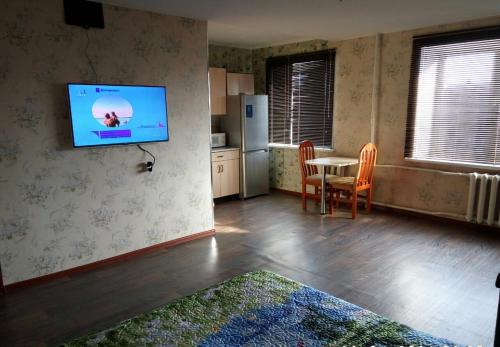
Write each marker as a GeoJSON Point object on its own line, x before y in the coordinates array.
{"type": "Point", "coordinates": [218, 139]}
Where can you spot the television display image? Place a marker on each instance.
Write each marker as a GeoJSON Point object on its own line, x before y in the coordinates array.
{"type": "Point", "coordinates": [117, 114]}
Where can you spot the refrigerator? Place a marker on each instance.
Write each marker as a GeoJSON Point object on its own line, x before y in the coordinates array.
{"type": "Point", "coordinates": [246, 127]}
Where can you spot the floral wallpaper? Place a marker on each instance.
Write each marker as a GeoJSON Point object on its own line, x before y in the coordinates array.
{"type": "Point", "coordinates": [401, 186]}
{"type": "Point", "coordinates": [233, 59]}
{"type": "Point", "coordinates": [62, 207]}
{"type": "Point", "coordinates": [425, 190]}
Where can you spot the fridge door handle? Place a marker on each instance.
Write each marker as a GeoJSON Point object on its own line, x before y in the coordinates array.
{"type": "Point", "coordinates": [257, 151]}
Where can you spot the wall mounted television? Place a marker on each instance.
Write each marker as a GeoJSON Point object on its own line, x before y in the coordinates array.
{"type": "Point", "coordinates": [103, 114]}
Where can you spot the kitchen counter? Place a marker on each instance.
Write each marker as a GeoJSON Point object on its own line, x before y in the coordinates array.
{"type": "Point", "coordinates": [225, 148]}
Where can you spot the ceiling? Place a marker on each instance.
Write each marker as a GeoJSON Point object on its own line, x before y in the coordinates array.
{"type": "Point", "coordinates": [261, 23]}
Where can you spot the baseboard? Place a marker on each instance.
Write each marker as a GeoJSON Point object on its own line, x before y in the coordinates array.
{"type": "Point", "coordinates": [101, 263]}
{"type": "Point", "coordinates": [438, 218]}
{"type": "Point", "coordinates": [289, 192]}
{"type": "Point", "coordinates": [410, 212]}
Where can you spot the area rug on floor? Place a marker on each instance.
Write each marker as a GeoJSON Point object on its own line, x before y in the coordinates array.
{"type": "Point", "coordinates": [260, 309]}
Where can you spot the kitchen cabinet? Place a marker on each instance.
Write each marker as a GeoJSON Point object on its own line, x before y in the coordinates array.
{"type": "Point", "coordinates": [226, 172]}
{"type": "Point", "coordinates": [240, 83]}
{"type": "Point", "coordinates": [216, 178]}
{"type": "Point", "coordinates": [217, 77]}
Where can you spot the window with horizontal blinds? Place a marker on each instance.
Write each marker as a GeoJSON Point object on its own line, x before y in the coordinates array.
{"type": "Point", "coordinates": [454, 99]}
{"type": "Point", "coordinates": [300, 89]}
{"type": "Point", "coordinates": [279, 90]}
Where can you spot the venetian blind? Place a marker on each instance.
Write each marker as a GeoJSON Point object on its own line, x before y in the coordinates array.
{"type": "Point", "coordinates": [300, 90]}
{"type": "Point", "coordinates": [454, 99]}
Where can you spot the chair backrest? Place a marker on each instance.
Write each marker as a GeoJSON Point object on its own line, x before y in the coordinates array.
{"type": "Point", "coordinates": [367, 160]}
{"type": "Point", "coordinates": [306, 152]}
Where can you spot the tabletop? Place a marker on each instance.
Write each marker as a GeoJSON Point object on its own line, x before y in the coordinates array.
{"type": "Point", "coordinates": [332, 161]}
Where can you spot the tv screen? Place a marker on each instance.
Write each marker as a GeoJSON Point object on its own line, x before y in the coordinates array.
{"type": "Point", "coordinates": [114, 114]}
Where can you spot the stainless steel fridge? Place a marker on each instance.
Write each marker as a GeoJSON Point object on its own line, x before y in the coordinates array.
{"type": "Point", "coordinates": [246, 126]}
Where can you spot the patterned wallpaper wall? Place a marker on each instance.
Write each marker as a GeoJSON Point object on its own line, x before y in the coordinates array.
{"type": "Point", "coordinates": [417, 189]}
{"type": "Point", "coordinates": [232, 58]}
{"type": "Point", "coordinates": [404, 187]}
{"type": "Point", "coordinates": [352, 107]}
{"type": "Point", "coordinates": [62, 207]}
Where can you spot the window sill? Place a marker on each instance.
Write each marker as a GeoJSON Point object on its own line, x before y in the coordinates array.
{"type": "Point", "coordinates": [281, 145]}
{"type": "Point", "coordinates": [454, 164]}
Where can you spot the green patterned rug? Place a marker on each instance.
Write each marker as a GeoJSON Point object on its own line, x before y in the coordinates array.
{"type": "Point", "coordinates": [259, 309]}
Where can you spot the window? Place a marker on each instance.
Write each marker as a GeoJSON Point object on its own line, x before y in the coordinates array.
{"type": "Point", "coordinates": [454, 100]}
{"type": "Point", "coordinates": [300, 89]}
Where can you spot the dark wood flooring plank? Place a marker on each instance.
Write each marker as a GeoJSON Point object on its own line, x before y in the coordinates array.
{"type": "Point", "coordinates": [435, 276]}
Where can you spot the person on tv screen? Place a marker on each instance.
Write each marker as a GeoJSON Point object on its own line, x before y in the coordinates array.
{"type": "Point", "coordinates": [112, 120]}
{"type": "Point", "coordinates": [115, 119]}
{"type": "Point", "coordinates": [107, 120]}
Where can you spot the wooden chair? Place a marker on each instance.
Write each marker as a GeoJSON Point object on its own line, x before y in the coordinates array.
{"type": "Point", "coordinates": [310, 176]}
{"type": "Point", "coordinates": [362, 181]}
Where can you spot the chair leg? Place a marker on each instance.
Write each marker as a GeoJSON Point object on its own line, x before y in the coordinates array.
{"type": "Point", "coordinates": [354, 204]}
{"type": "Point", "coordinates": [304, 197]}
{"type": "Point", "coordinates": [369, 200]}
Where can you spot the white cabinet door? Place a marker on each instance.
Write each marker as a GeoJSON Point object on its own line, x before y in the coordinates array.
{"type": "Point", "coordinates": [240, 83]}
{"type": "Point", "coordinates": [230, 177]}
{"type": "Point", "coordinates": [233, 83]}
{"type": "Point", "coordinates": [246, 84]}
{"type": "Point", "coordinates": [226, 173]}
{"type": "Point", "coordinates": [216, 179]}
{"type": "Point", "coordinates": [217, 78]}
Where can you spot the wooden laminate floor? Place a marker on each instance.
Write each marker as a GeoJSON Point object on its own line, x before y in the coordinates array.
{"type": "Point", "coordinates": [434, 276]}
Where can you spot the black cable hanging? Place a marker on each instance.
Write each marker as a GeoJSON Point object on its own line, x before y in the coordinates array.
{"type": "Point", "coordinates": [149, 164]}
{"type": "Point", "coordinates": [87, 55]}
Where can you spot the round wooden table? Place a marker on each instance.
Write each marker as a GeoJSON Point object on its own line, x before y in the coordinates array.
{"type": "Point", "coordinates": [338, 163]}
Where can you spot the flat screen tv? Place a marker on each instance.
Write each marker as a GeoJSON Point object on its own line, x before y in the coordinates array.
{"type": "Point", "coordinates": [104, 114]}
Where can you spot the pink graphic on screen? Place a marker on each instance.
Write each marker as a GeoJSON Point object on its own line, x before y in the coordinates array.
{"type": "Point", "coordinates": [112, 111]}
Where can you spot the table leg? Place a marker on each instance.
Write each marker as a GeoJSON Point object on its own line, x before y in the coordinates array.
{"type": "Point", "coordinates": [323, 190]}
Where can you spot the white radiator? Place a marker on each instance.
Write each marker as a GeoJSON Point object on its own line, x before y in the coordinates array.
{"type": "Point", "coordinates": [484, 199]}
